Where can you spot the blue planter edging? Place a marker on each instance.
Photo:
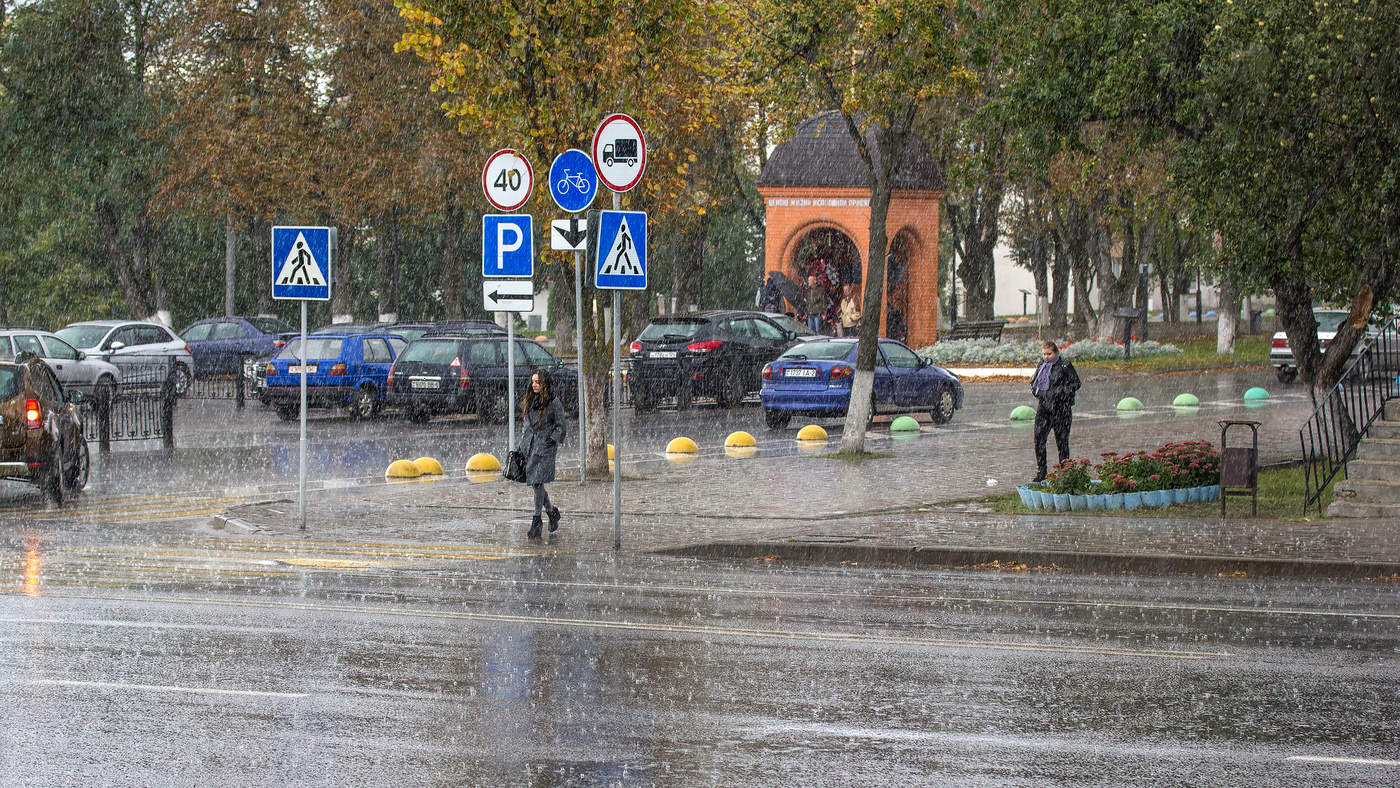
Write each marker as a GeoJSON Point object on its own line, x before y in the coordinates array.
{"type": "Point", "coordinates": [1063, 502]}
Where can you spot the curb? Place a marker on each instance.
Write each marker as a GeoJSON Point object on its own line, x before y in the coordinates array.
{"type": "Point", "coordinates": [1087, 563]}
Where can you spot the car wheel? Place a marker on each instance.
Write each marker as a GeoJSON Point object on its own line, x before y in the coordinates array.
{"type": "Point", "coordinates": [1286, 375]}
{"type": "Point", "coordinates": [363, 404]}
{"type": "Point", "coordinates": [51, 478]}
{"type": "Point", "coordinates": [286, 412]}
{"type": "Point", "coordinates": [732, 392]}
{"type": "Point", "coordinates": [942, 412]}
{"type": "Point", "coordinates": [77, 474]}
{"type": "Point", "coordinates": [181, 376]}
{"type": "Point", "coordinates": [491, 406]}
{"type": "Point", "coordinates": [776, 419]}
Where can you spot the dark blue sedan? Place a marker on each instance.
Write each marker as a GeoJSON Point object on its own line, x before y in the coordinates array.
{"type": "Point", "coordinates": [342, 370]}
{"type": "Point", "coordinates": [814, 378]}
{"type": "Point", "coordinates": [219, 344]}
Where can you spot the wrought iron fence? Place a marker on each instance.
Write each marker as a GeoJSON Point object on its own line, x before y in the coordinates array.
{"type": "Point", "coordinates": [140, 407]}
{"type": "Point", "coordinates": [1330, 436]}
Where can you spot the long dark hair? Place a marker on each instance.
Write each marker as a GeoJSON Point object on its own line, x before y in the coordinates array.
{"type": "Point", "coordinates": [539, 403]}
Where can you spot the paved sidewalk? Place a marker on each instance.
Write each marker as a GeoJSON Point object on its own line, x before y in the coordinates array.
{"type": "Point", "coordinates": [784, 505]}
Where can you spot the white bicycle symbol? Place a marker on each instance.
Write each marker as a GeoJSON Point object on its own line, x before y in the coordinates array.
{"type": "Point", "coordinates": [574, 181]}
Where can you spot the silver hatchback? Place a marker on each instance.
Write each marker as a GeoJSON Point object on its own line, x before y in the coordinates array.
{"type": "Point", "coordinates": [76, 370]}
{"type": "Point", "coordinates": [133, 343]}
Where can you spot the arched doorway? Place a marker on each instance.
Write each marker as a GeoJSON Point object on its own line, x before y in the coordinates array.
{"type": "Point", "coordinates": [833, 257]}
{"type": "Point", "coordinates": [897, 286]}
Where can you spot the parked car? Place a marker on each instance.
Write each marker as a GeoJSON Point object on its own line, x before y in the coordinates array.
{"type": "Point", "coordinates": [219, 344]}
{"type": "Point", "coordinates": [42, 434]}
{"type": "Point", "coordinates": [814, 378]}
{"type": "Point", "coordinates": [716, 353]}
{"type": "Point", "coordinates": [1386, 342]}
{"type": "Point", "coordinates": [464, 328]}
{"type": "Point", "coordinates": [133, 345]}
{"type": "Point", "coordinates": [467, 374]}
{"type": "Point", "coordinates": [76, 371]}
{"type": "Point", "coordinates": [342, 370]}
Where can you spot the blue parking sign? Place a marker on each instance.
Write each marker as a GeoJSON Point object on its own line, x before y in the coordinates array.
{"type": "Point", "coordinates": [620, 259]}
{"type": "Point", "coordinates": [507, 245]}
{"type": "Point", "coordinates": [301, 262]}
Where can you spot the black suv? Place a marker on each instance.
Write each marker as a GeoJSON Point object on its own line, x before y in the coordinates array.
{"type": "Point", "coordinates": [718, 354]}
{"type": "Point", "coordinates": [467, 374]}
{"type": "Point", "coordinates": [41, 435]}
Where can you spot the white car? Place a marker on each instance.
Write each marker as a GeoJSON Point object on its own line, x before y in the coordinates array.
{"type": "Point", "coordinates": [136, 346]}
{"type": "Point", "coordinates": [76, 370]}
{"type": "Point", "coordinates": [1386, 355]}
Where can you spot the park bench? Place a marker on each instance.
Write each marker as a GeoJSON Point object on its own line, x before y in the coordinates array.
{"type": "Point", "coordinates": [977, 329]}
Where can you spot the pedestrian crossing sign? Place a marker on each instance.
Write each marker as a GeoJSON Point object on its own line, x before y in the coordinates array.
{"type": "Point", "coordinates": [620, 257]}
{"type": "Point", "coordinates": [301, 262]}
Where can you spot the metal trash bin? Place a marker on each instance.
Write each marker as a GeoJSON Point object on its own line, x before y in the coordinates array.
{"type": "Point", "coordinates": [1239, 466]}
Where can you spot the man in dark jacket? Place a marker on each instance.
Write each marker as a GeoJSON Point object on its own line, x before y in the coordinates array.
{"type": "Point", "coordinates": [1054, 385]}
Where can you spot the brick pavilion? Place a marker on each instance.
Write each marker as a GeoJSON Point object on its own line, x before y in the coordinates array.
{"type": "Point", "coordinates": [817, 205]}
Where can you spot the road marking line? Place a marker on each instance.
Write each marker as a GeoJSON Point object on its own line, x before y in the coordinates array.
{"type": "Point", "coordinates": [169, 688]}
{"type": "Point", "coordinates": [1326, 759]}
{"type": "Point", "coordinates": [633, 626]}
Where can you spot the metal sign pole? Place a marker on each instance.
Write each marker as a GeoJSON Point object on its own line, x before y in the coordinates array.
{"type": "Point", "coordinates": [510, 375]}
{"type": "Point", "coordinates": [301, 475]}
{"type": "Point", "coordinates": [582, 389]}
{"type": "Point", "coordinates": [617, 405]}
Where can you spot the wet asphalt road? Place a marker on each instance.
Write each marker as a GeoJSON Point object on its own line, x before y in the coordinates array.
{"type": "Point", "coordinates": [169, 653]}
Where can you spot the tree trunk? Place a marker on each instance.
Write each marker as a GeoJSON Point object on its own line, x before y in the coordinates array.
{"type": "Point", "coordinates": [109, 231]}
{"type": "Point", "coordinates": [343, 293]}
{"type": "Point", "coordinates": [452, 277]}
{"type": "Point", "coordinates": [1228, 316]}
{"type": "Point", "coordinates": [386, 256]}
{"type": "Point", "coordinates": [230, 269]}
{"type": "Point", "coordinates": [260, 250]}
{"type": "Point", "coordinates": [977, 228]}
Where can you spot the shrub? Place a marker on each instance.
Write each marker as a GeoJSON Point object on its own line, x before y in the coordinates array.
{"type": "Point", "coordinates": [986, 351]}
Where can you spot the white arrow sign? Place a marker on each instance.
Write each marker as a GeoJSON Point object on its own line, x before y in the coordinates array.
{"type": "Point", "coordinates": [508, 295]}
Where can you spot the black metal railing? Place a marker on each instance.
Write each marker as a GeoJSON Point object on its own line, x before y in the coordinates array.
{"type": "Point", "coordinates": [140, 407]}
{"type": "Point", "coordinates": [1330, 436]}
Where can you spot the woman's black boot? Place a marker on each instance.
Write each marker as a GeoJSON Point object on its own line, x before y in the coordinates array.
{"type": "Point", "coordinates": [535, 524]}
{"type": "Point", "coordinates": [554, 519]}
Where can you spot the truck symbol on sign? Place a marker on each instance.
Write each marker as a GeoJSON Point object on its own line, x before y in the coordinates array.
{"type": "Point", "coordinates": [622, 151]}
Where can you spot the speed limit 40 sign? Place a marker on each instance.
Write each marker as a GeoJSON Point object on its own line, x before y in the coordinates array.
{"type": "Point", "coordinates": [507, 180]}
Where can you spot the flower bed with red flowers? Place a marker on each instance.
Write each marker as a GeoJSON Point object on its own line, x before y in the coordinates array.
{"type": "Point", "coordinates": [1173, 473]}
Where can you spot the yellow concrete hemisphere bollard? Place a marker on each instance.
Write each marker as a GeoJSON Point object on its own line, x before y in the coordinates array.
{"type": "Point", "coordinates": [811, 432]}
{"type": "Point", "coordinates": [402, 469]}
{"type": "Point", "coordinates": [682, 445]}
{"type": "Point", "coordinates": [428, 466]}
{"type": "Point", "coordinates": [740, 438]}
{"type": "Point", "coordinates": [482, 461]}
{"type": "Point", "coordinates": [740, 452]}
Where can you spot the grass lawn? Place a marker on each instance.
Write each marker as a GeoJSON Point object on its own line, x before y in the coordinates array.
{"type": "Point", "coordinates": [1196, 353]}
{"type": "Point", "coordinates": [1280, 498]}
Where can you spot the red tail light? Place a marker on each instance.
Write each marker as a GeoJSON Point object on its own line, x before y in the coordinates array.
{"type": "Point", "coordinates": [841, 372]}
{"type": "Point", "coordinates": [635, 347]}
{"type": "Point", "coordinates": [271, 370]}
{"type": "Point", "coordinates": [767, 371]}
{"type": "Point", "coordinates": [390, 381]}
{"type": "Point", "coordinates": [278, 343]}
{"type": "Point", "coordinates": [187, 347]}
{"type": "Point", "coordinates": [704, 347]}
{"type": "Point", "coordinates": [464, 377]}
{"type": "Point", "coordinates": [337, 369]}
{"type": "Point", "coordinates": [32, 414]}
{"type": "Point", "coordinates": [1280, 342]}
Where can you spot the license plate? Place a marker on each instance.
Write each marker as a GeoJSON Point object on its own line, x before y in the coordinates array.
{"type": "Point", "coordinates": [800, 372]}
{"type": "Point", "coordinates": [423, 384]}
{"type": "Point", "coordinates": [297, 369]}
{"type": "Point", "coordinates": [663, 354]}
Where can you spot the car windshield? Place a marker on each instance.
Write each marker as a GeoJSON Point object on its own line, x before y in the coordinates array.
{"type": "Point", "coordinates": [270, 325]}
{"type": "Point", "coordinates": [660, 331]}
{"type": "Point", "coordinates": [819, 351]}
{"type": "Point", "coordinates": [10, 380]}
{"type": "Point", "coordinates": [1329, 321]}
{"type": "Point", "coordinates": [83, 336]}
{"type": "Point", "coordinates": [430, 352]}
{"type": "Point", "coordinates": [788, 324]}
{"type": "Point", "coordinates": [317, 348]}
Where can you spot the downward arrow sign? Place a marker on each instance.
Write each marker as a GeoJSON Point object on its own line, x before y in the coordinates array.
{"type": "Point", "coordinates": [571, 231]}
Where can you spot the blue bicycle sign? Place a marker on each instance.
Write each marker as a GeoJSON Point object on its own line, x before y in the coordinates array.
{"type": "Point", "coordinates": [573, 182]}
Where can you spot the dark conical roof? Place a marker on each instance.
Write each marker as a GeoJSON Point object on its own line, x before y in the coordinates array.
{"type": "Point", "coordinates": [822, 154]}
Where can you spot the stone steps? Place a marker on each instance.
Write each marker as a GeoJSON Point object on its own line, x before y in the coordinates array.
{"type": "Point", "coordinates": [1372, 486]}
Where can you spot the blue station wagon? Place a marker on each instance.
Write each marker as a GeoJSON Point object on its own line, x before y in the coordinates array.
{"type": "Point", "coordinates": [342, 370]}
{"type": "Point", "coordinates": [814, 378]}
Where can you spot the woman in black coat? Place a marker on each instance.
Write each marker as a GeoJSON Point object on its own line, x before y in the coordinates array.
{"type": "Point", "coordinates": [543, 417]}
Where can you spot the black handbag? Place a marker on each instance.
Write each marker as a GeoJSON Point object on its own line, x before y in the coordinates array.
{"type": "Point", "coordinates": [515, 466]}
